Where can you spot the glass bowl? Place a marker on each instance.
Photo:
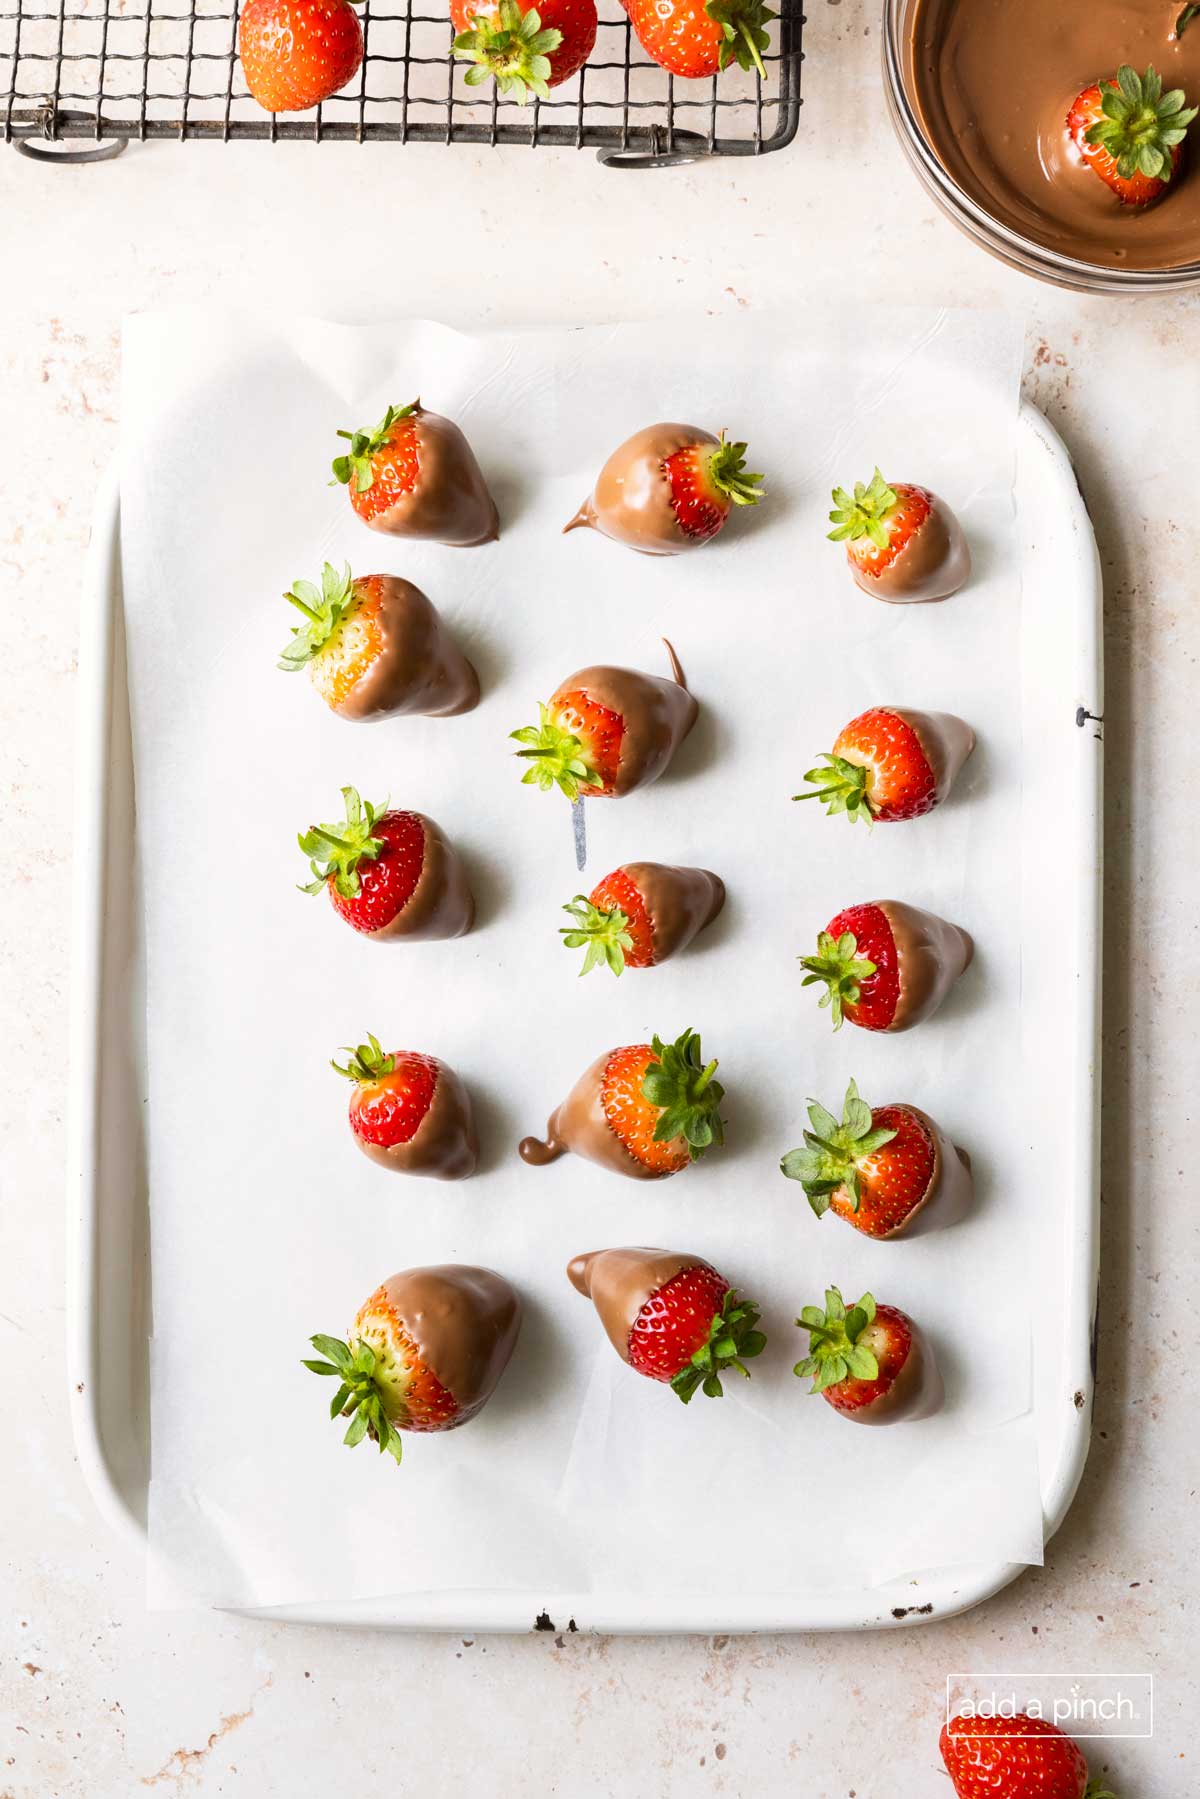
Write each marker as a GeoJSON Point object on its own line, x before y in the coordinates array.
{"type": "Point", "coordinates": [1018, 251]}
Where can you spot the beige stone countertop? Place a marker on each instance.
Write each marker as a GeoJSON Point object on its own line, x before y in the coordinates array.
{"type": "Point", "coordinates": [98, 1698]}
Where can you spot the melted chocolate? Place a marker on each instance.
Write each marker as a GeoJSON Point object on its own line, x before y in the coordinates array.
{"type": "Point", "coordinates": [464, 1322]}
{"type": "Point", "coordinates": [620, 1281]}
{"type": "Point", "coordinates": [931, 954]}
{"type": "Point", "coordinates": [657, 715]}
{"type": "Point", "coordinates": [449, 502]}
{"type": "Point", "coordinates": [679, 902]}
{"type": "Point", "coordinates": [419, 668]}
{"type": "Point", "coordinates": [631, 501]}
{"type": "Point", "coordinates": [580, 1125]}
{"type": "Point", "coordinates": [917, 1391]}
{"type": "Point", "coordinates": [992, 82]}
{"type": "Point", "coordinates": [440, 904]}
{"type": "Point", "coordinates": [444, 1144]}
{"type": "Point", "coordinates": [934, 563]}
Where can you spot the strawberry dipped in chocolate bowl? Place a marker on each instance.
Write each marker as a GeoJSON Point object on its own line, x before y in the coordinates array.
{"type": "Point", "coordinates": [1064, 139]}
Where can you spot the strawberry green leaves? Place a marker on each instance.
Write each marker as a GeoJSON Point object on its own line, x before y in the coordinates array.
{"type": "Point", "coordinates": [358, 1396]}
{"type": "Point", "coordinates": [325, 608]}
{"type": "Point", "coordinates": [682, 1086]}
{"type": "Point", "coordinates": [834, 1153]}
{"type": "Point", "coordinates": [557, 758]}
{"type": "Point", "coordinates": [513, 48]}
{"type": "Point", "coordinates": [838, 964]}
{"type": "Point", "coordinates": [834, 1350]}
{"type": "Point", "coordinates": [864, 513]}
{"type": "Point", "coordinates": [727, 466]}
{"type": "Point", "coordinates": [335, 850]}
{"type": "Point", "coordinates": [744, 37]}
{"type": "Point", "coordinates": [367, 1062]}
{"type": "Point", "coordinates": [842, 787]}
{"type": "Point", "coordinates": [1141, 126]}
{"type": "Point", "coordinates": [1185, 18]}
{"type": "Point", "coordinates": [364, 445]}
{"type": "Point", "coordinates": [733, 1340]}
{"type": "Point", "coordinates": [605, 935]}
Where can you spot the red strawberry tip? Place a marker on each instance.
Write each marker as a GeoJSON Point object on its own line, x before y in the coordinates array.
{"type": "Point", "coordinates": [744, 37]}
{"type": "Point", "coordinates": [733, 1340]}
{"type": "Point", "coordinates": [727, 471]}
{"type": "Point", "coordinates": [864, 512]}
{"type": "Point", "coordinates": [513, 48]}
{"type": "Point", "coordinates": [838, 964]}
{"type": "Point", "coordinates": [830, 1159]}
{"type": "Point", "coordinates": [335, 850]}
{"type": "Point", "coordinates": [681, 1085]}
{"type": "Point", "coordinates": [358, 1395]}
{"type": "Point", "coordinates": [556, 757]}
{"type": "Point", "coordinates": [368, 1062]}
{"type": "Point", "coordinates": [356, 465]}
{"type": "Point", "coordinates": [835, 1353]}
{"type": "Point", "coordinates": [604, 934]}
{"type": "Point", "coordinates": [842, 787]}
{"type": "Point", "coordinates": [324, 607]}
{"type": "Point", "coordinates": [1141, 126]}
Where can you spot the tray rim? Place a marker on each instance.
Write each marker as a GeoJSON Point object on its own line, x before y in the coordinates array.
{"type": "Point", "coordinates": [929, 1596]}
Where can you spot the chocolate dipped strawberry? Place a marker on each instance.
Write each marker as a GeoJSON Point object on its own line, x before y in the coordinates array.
{"type": "Point", "coordinates": [890, 1171]}
{"type": "Point", "coordinates": [424, 1353]}
{"type": "Point", "coordinates": [375, 646]}
{"type": "Point", "coordinates": [891, 763]}
{"type": "Point", "coordinates": [646, 1111]}
{"type": "Point", "coordinates": [903, 544]}
{"type": "Point", "coordinates": [415, 475]}
{"type": "Point", "coordinates": [886, 966]}
{"type": "Point", "coordinates": [667, 489]}
{"type": "Point", "coordinates": [870, 1363]}
{"type": "Point", "coordinates": [607, 731]}
{"type": "Point", "coordinates": [409, 1112]}
{"type": "Point", "coordinates": [641, 914]}
{"type": "Point", "coordinates": [672, 1317]}
{"type": "Point", "coordinates": [996, 1754]}
{"type": "Point", "coordinates": [1130, 135]}
{"type": "Point", "coordinates": [389, 874]}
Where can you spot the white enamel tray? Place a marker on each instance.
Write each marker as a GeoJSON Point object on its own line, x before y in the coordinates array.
{"type": "Point", "coordinates": [108, 1249]}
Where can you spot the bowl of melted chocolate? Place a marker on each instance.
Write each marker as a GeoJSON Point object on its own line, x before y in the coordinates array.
{"type": "Point", "coordinates": [1062, 138]}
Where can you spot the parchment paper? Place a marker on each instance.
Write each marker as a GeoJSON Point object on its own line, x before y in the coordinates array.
{"type": "Point", "coordinates": [268, 1224]}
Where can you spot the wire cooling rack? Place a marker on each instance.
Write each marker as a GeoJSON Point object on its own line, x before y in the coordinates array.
{"type": "Point", "coordinates": [114, 70]}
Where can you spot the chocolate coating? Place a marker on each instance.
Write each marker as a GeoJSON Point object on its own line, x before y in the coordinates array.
{"type": "Point", "coordinates": [441, 904]}
{"type": "Point", "coordinates": [450, 502]}
{"type": "Point", "coordinates": [963, 62]}
{"type": "Point", "coordinates": [419, 667]}
{"type": "Point", "coordinates": [464, 1322]}
{"type": "Point", "coordinates": [658, 715]}
{"type": "Point", "coordinates": [934, 563]}
{"type": "Point", "coordinates": [631, 501]}
{"type": "Point", "coordinates": [620, 1281]}
{"type": "Point", "coordinates": [679, 902]}
{"type": "Point", "coordinates": [947, 1199]}
{"type": "Point", "coordinates": [580, 1125]}
{"type": "Point", "coordinates": [917, 1391]}
{"type": "Point", "coordinates": [444, 1144]}
{"type": "Point", "coordinates": [931, 955]}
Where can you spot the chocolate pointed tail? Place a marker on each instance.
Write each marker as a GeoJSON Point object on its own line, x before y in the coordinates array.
{"type": "Point", "coordinates": [676, 671]}
{"type": "Point", "coordinates": [584, 519]}
{"type": "Point", "coordinates": [539, 1152]}
{"type": "Point", "coordinates": [579, 1273]}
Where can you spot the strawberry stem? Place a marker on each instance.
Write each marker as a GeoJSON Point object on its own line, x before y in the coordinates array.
{"type": "Point", "coordinates": [364, 445]}
{"type": "Point", "coordinates": [687, 1096]}
{"type": "Point", "coordinates": [864, 512]}
{"type": "Point", "coordinates": [842, 787]}
{"type": "Point", "coordinates": [359, 1396]}
{"type": "Point", "coordinates": [557, 756]}
{"type": "Point", "coordinates": [733, 1340]}
{"type": "Point", "coordinates": [838, 964]}
{"type": "Point", "coordinates": [512, 48]}
{"type": "Point", "coordinates": [1141, 126]}
{"type": "Point", "coordinates": [605, 935]}
{"type": "Point", "coordinates": [325, 608]}
{"type": "Point", "coordinates": [334, 855]}
{"type": "Point", "coordinates": [833, 1153]}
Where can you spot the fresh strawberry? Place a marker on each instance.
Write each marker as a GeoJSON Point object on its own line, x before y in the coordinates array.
{"type": "Point", "coordinates": [671, 1317]}
{"type": "Point", "coordinates": [607, 731]}
{"type": "Point", "coordinates": [409, 1111]}
{"type": "Point", "coordinates": [885, 965]}
{"type": "Point", "coordinates": [890, 764]}
{"type": "Point", "coordinates": [1130, 134]}
{"type": "Point", "coordinates": [296, 53]}
{"type": "Point", "coordinates": [1015, 1757]}
{"type": "Point", "coordinates": [871, 1362]}
{"type": "Point", "coordinates": [424, 1353]}
{"type": "Point", "coordinates": [387, 873]}
{"type": "Point", "coordinates": [528, 50]}
{"type": "Point", "coordinates": [690, 38]}
{"type": "Point", "coordinates": [376, 646]}
{"type": "Point", "coordinates": [415, 475]}
{"type": "Point", "coordinates": [903, 543]}
{"type": "Point", "coordinates": [642, 913]}
{"type": "Point", "coordinates": [646, 1110]}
